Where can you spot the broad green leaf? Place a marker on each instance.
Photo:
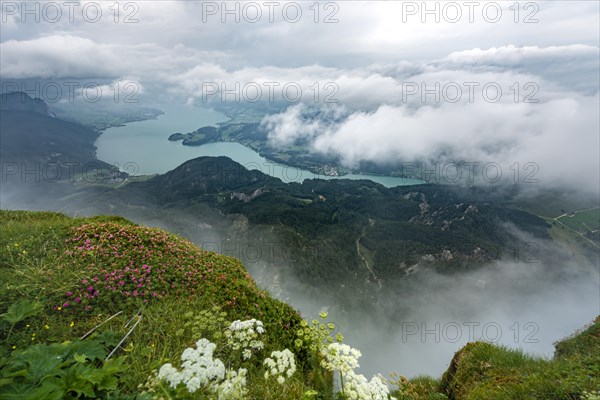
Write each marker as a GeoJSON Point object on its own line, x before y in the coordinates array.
{"type": "Point", "coordinates": [108, 338]}
{"type": "Point", "coordinates": [20, 373]}
{"type": "Point", "coordinates": [5, 382]}
{"type": "Point", "coordinates": [48, 391]}
{"type": "Point", "coordinates": [91, 348]}
{"type": "Point", "coordinates": [40, 360]}
{"type": "Point", "coordinates": [109, 383]}
{"type": "Point", "coordinates": [73, 382]}
{"type": "Point", "coordinates": [21, 310]}
{"type": "Point", "coordinates": [114, 366]}
{"type": "Point", "coordinates": [90, 373]}
{"type": "Point", "coordinates": [59, 371]}
{"type": "Point", "coordinates": [80, 358]}
{"type": "Point", "coordinates": [24, 391]}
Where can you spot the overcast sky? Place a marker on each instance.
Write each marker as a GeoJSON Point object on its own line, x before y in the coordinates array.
{"type": "Point", "coordinates": [507, 82]}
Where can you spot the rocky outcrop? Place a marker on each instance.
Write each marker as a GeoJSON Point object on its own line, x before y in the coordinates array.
{"type": "Point", "coordinates": [247, 197]}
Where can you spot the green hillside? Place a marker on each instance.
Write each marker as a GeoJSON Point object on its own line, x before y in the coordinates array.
{"type": "Point", "coordinates": [62, 278]}
{"type": "Point", "coordinates": [103, 308]}
{"type": "Point", "coordinates": [346, 225]}
{"type": "Point", "coordinates": [483, 371]}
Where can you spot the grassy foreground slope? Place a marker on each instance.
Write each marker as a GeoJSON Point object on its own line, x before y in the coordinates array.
{"type": "Point", "coordinates": [92, 307]}
{"type": "Point", "coordinates": [484, 371]}
{"type": "Point", "coordinates": [62, 277]}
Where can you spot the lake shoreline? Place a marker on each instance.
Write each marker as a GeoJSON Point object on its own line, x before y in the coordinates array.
{"type": "Point", "coordinates": [145, 144]}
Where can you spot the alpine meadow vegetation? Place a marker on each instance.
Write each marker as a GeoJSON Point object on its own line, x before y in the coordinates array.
{"type": "Point", "coordinates": [103, 308]}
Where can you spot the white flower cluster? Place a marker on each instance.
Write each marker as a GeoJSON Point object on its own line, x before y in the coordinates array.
{"type": "Point", "coordinates": [340, 357]}
{"type": "Point", "coordinates": [199, 367]}
{"type": "Point", "coordinates": [282, 365]}
{"type": "Point", "coordinates": [356, 387]}
{"type": "Point", "coordinates": [244, 335]}
{"type": "Point", "coordinates": [343, 358]}
{"type": "Point", "coordinates": [234, 385]}
{"type": "Point", "coordinates": [590, 395]}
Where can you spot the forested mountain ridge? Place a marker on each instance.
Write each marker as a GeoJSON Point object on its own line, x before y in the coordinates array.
{"type": "Point", "coordinates": [345, 232]}
{"type": "Point", "coordinates": [360, 228]}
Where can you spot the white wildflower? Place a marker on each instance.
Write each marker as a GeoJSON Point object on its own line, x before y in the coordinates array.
{"type": "Point", "coordinates": [357, 387]}
{"type": "Point", "coordinates": [343, 358]}
{"type": "Point", "coordinates": [282, 365]}
{"type": "Point", "coordinates": [234, 385]}
{"type": "Point", "coordinates": [340, 357]}
{"type": "Point", "coordinates": [243, 335]}
{"type": "Point", "coordinates": [170, 374]}
{"type": "Point", "coordinates": [378, 388]}
{"type": "Point", "coordinates": [198, 367]}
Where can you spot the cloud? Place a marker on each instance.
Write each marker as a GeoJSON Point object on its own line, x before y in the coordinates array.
{"type": "Point", "coordinates": [78, 57]}
{"type": "Point", "coordinates": [286, 128]}
{"type": "Point", "coordinates": [513, 55]}
{"type": "Point", "coordinates": [416, 326]}
{"type": "Point", "coordinates": [383, 113]}
{"type": "Point", "coordinates": [67, 56]}
{"type": "Point", "coordinates": [559, 136]}
{"type": "Point", "coordinates": [508, 303]}
{"type": "Point", "coordinates": [363, 34]}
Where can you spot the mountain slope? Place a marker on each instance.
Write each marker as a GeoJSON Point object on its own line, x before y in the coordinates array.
{"type": "Point", "coordinates": [360, 227]}
{"type": "Point", "coordinates": [38, 147]}
{"type": "Point", "coordinates": [63, 309]}
{"type": "Point", "coordinates": [62, 277]}
{"type": "Point", "coordinates": [19, 101]}
{"type": "Point", "coordinates": [484, 371]}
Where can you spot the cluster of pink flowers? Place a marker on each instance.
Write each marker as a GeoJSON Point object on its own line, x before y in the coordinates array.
{"type": "Point", "coordinates": [131, 262]}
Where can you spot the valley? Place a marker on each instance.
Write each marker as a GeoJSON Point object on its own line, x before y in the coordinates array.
{"type": "Point", "coordinates": [357, 247]}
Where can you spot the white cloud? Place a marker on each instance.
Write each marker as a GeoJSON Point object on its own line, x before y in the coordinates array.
{"type": "Point", "coordinates": [366, 32]}
{"type": "Point", "coordinates": [560, 136]}
{"type": "Point", "coordinates": [513, 55]}
{"type": "Point", "coordinates": [77, 57]}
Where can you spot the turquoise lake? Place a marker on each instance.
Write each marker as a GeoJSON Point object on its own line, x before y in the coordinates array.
{"type": "Point", "coordinates": [142, 148]}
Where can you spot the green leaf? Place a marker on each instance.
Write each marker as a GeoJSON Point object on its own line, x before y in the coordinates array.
{"type": "Point", "coordinates": [108, 338]}
{"type": "Point", "coordinates": [39, 360]}
{"type": "Point", "coordinates": [114, 366]}
{"type": "Point", "coordinates": [22, 373]}
{"type": "Point", "coordinates": [20, 391]}
{"type": "Point", "coordinates": [21, 310]}
{"type": "Point", "coordinates": [90, 373]}
{"type": "Point", "coordinates": [72, 381]}
{"type": "Point", "coordinates": [92, 349]}
{"type": "Point", "coordinates": [108, 383]}
{"type": "Point", "coordinates": [80, 358]}
{"type": "Point", "coordinates": [59, 371]}
{"type": "Point", "coordinates": [5, 381]}
{"type": "Point", "coordinates": [48, 391]}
